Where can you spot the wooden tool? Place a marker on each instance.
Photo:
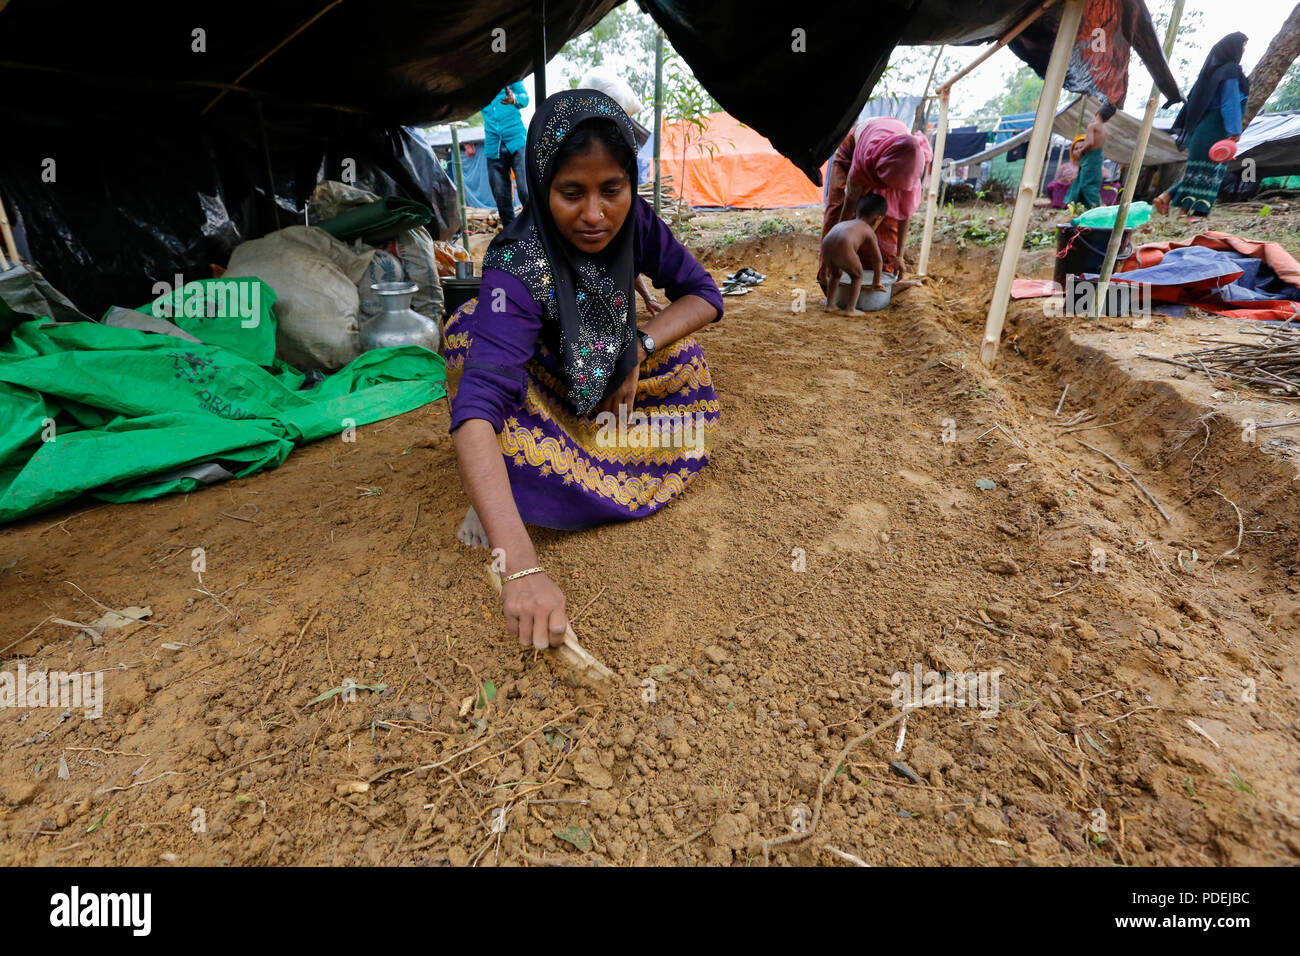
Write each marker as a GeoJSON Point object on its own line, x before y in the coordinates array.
{"type": "Point", "coordinates": [585, 667]}
{"type": "Point", "coordinates": [7, 235]}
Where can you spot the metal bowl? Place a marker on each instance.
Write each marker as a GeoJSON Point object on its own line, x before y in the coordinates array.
{"type": "Point", "coordinates": [868, 301]}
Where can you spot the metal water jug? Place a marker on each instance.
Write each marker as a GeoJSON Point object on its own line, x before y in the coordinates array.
{"type": "Point", "coordinates": [398, 324]}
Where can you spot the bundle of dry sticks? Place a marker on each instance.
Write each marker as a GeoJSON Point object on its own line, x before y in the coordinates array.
{"type": "Point", "coordinates": [1272, 363]}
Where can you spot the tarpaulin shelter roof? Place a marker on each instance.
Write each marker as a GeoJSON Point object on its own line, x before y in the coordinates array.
{"type": "Point", "coordinates": [440, 136]}
{"type": "Point", "coordinates": [804, 99]}
{"type": "Point", "coordinates": [1122, 130]}
{"type": "Point", "coordinates": [139, 92]}
{"type": "Point", "coordinates": [732, 165]}
{"type": "Point", "coordinates": [1272, 140]}
{"type": "Point", "coordinates": [414, 62]}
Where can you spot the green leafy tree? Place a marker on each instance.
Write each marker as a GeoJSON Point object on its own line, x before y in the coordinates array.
{"type": "Point", "coordinates": [1190, 48]}
{"type": "Point", "coordinates": [1019, 95]}
{"type": "Point", "coordinates": [625, 42]}
{"type": "Point", "coordinates": [630, 32]}
{"type": "Point", "coordinates": [1287, 96]}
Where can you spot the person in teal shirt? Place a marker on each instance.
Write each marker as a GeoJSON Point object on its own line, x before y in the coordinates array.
{"type": "Point", "coordinates": [504, 137]}
{"type": "Point", "coordinates": [1212, 112]}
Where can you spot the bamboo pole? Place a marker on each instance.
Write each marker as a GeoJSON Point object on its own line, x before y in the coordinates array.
{"type": "Point", "coordinates": [1134, 170]}
{"type": "Point", "coordinates": [8, 235]}
{"type": "Point", "coordinates": [922, 108]}
{"type": "Point", "coordinates": [1042, 179]}
{"type": "Point", "coordinates": [659, 117]}
{"type": "Point", "coordinates": [460, 187]}
{"type": "Point", "coordinates": [941, 134]}
{"type": "Point", "coordinates": [936, 176]}
{"type": "Point", "coordinates": [1014, 32]}
{"type": "Point", "coordinates": [1054, 79]}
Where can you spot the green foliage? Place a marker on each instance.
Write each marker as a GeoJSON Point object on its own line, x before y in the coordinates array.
{"type": "Point", "coordinates": [909, 69]}
{"type": "Point", "coordinates": [625, 41]}
{"type": "Point", "coordinates": [775, 227]}
{"type": "Point", "coordinates": [1190, 49]}
{"type": "Point", "coordinates": [628, 31]}
{"type": "Point", "coordinates": [992, 232]}
{"type": "Point", "coordinates": [578, 836]}
{"type": "Point", "coordinates": [1287, 95]}
{"type": "Point", "coordinates": [1020, 95]}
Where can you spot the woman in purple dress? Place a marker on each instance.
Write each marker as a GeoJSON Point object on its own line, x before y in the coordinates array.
{"type": "Point", "coordinates": [567, 414]}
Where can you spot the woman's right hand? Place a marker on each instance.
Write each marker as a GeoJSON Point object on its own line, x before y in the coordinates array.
{"type": "Point", "coordinates": [534, 608]}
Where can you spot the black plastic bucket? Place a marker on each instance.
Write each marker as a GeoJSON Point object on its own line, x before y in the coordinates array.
{"type": "Point", "coordinates": [1081, 249]}
{"type": "Point", "coordinates": [456, 292]}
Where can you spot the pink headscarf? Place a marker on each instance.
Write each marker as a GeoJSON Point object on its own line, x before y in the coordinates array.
{"type": "Point", "coordinates": [890, 160]}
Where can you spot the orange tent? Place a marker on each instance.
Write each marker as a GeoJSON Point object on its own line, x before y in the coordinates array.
{"type": "Point", "coordinates": [732, 165]}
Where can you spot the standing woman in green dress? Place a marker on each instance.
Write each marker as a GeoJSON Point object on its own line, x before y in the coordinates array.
{"type": "Point", "coordinates": [1212, 112]}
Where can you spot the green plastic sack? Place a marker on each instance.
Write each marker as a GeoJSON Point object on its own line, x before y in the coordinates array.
{"type": "Point", "coordinates": [378, 221]}
{"type": "Point", "coordinates": [1103, 217]}
{"type": "Point", "coordinates": [233, 313]}
{"type": "Point", "coordinates": [123, 415]}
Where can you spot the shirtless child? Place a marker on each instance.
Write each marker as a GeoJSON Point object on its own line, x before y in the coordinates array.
{"type": "Point", "coordinates": [840, 252]}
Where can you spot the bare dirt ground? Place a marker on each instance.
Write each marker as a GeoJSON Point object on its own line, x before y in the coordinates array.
{"type": "Point", "coordinates": [1148, 706]}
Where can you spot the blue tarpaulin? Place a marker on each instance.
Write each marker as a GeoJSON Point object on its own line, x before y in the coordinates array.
{"type": "Point", "coordinates": [1229, 276]}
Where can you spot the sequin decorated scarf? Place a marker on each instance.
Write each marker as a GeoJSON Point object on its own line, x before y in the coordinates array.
{"type": "Point", "coordinates": [588, 311]}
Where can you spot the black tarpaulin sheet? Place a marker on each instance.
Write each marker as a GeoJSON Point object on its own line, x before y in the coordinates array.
{"type": "Point", "coordinates": [803, 90]}
{"type": "Point", "coordinates": [162, 100]}
{"type": "Point", "coordinates": [1271, 145]}
{"type": "Point", "coordinates": [108, 212]}
{"type": "Point", "coordinates": [120, 171]}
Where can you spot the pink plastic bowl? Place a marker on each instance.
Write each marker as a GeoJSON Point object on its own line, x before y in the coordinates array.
{"type": "Point", "coordinates": [1223, 150]}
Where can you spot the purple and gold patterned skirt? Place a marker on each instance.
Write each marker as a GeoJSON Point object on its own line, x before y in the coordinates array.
{"type": "Point", "coordinates": [569, 471]}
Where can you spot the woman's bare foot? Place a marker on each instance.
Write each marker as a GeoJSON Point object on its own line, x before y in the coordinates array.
{"type": "Point", "coordinates": [850, 312]}
{"type": "Point", "coordinates": [1161, 203]}
{"type": "Point", "coordinates": [471, 530]}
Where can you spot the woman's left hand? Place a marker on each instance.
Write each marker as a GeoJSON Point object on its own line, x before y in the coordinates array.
{"type": "Point", "coordinates": [625, 394]}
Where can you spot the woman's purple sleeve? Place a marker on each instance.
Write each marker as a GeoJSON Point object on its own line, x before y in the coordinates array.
{"type": "Point", "coordinates": [670, 267]}
{"type": "Point", "coordinates": [506, 323]}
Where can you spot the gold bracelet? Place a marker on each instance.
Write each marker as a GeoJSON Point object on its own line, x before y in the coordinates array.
{"type": "Point", "coordinates": [521, 574]}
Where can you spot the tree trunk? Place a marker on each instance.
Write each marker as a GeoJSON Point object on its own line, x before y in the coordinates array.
{"type": "Point", "coordinates": [1277, 59]}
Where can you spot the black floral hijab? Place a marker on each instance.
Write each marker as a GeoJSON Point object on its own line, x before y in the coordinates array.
{"type": "Point", "coordinates": [589, 316]}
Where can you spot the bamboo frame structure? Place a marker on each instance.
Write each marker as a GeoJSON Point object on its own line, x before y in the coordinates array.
{"type": "Point", "coordinates": [1134, 170]}
{"type": "Point", "coordinates": [1053, 81]}
{"type": "Point", "coordinates": [460, 187]}
{"type": "Point", "coordinates": [10, 246]}
{"type": "Point", "coordinates": [936, 177]}
{"type": "Point", "coordinates": [659, 118]}
{"type": "Point", "coordinates": [941, 134]}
